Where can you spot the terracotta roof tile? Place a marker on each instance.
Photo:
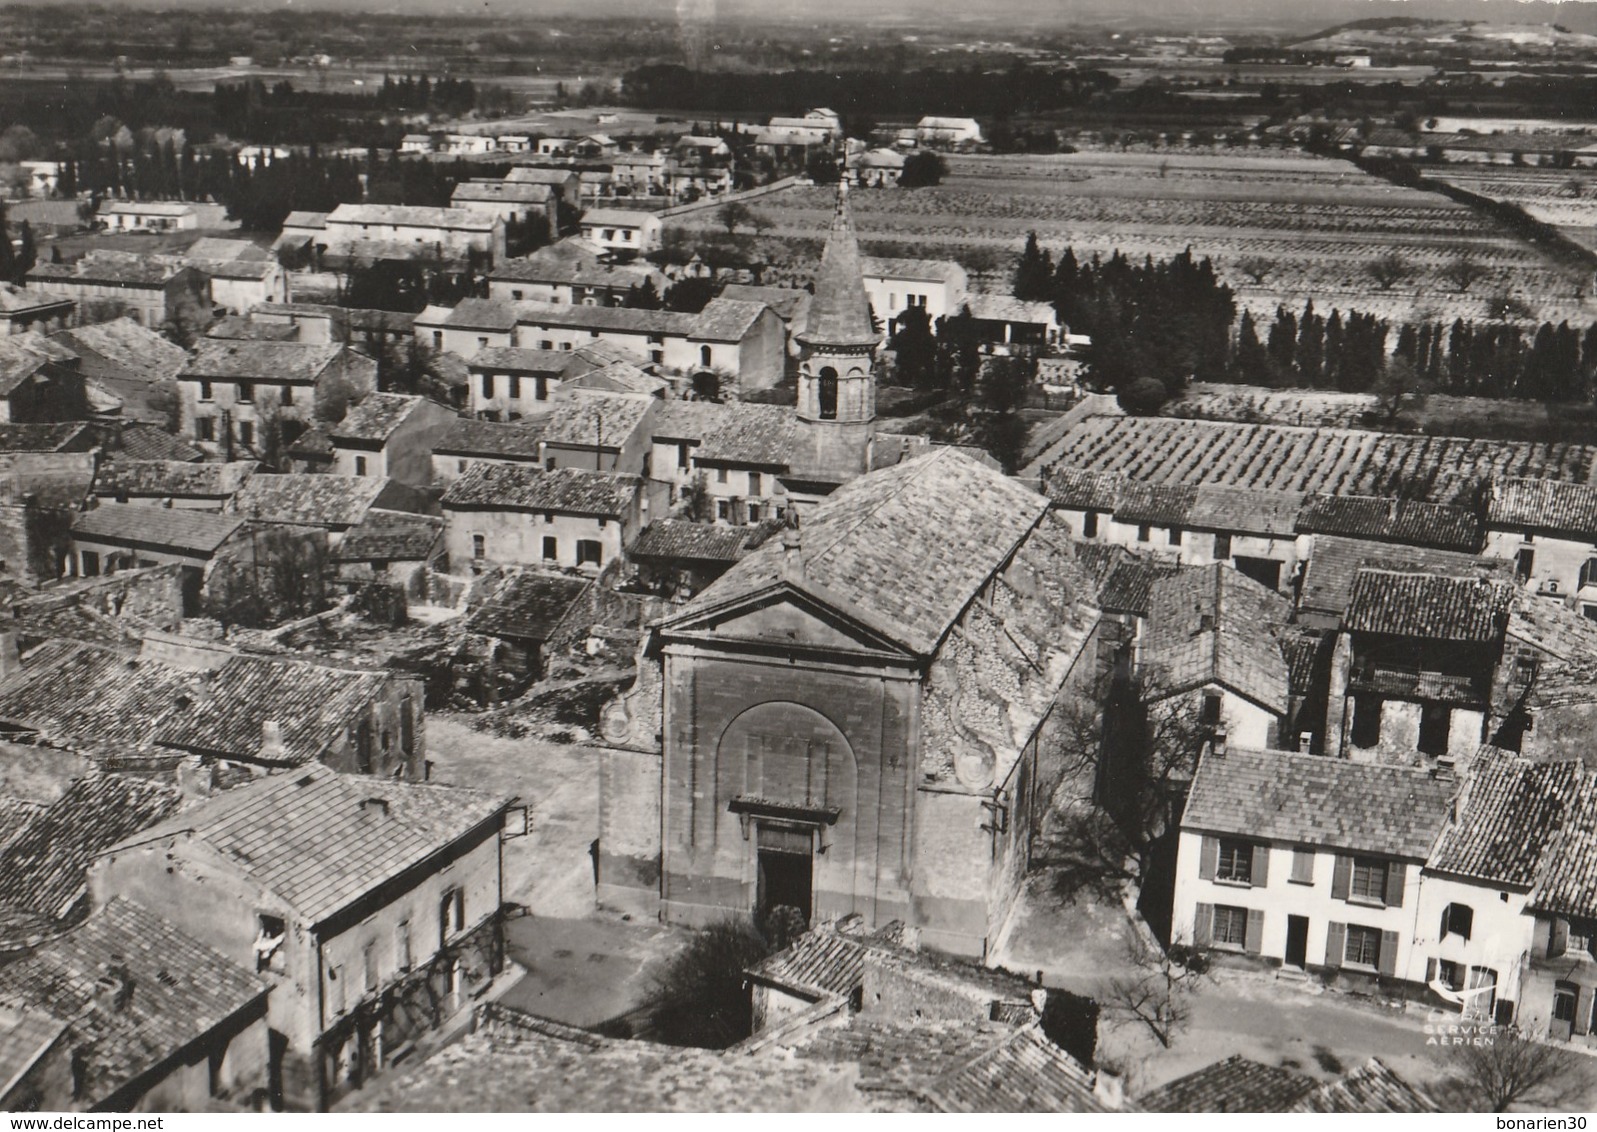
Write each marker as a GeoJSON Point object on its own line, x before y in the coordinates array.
{"type": "Point", "coordinates": [320, 839]}
{"type": "Point", "coordinates": [390, 536]}
{"type": "Point", "coordinates": [172, 478]}
{"type": "Point", "coordinates": [519, 487]}
{"type": "Point", "coordinates": [1335, 562]}
{"type": "Point", "coordinates": [1433, 525]}
{"type": "Point", "coordinates": [1372, 1087]}
{"type": "Point", "coordinates": [316, 500]}
{"type": "Point", "coordinates": [1509, 810]}
{"type": "Point", "coordinates": [1312, 800]}
{"type": "Point", "coordinates": [685, 540]}
{"type": "Point", "coordinates": [528, 606]}
{"type": "Point", "coordinates": [1237, 1084]}
{"type": "Point", "coordinates": [1429, 606]}
{"type": "Point", "coordinates": [376, 417]}
{"type": "Point", "coordinates": [1543, 505]}
{"type": "Point", "coordinates": [517, 440]}
{"type": "Point", "coordinates": [175, 528]}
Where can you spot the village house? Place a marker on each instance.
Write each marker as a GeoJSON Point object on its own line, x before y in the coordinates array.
{"type": "Point", "coordinates": [947, 133]}
{"type": "Point", "coordinates": [526, 614]}
{"type": "Point", "coordinates": [877, 168]}
{"type": "Point", "coordinates": [510, 201]}
{"type": "Point", "coordinates": [232, 391]}
{"type": "Point", "coordinates": [509, 383]}
{"type": "Point", "coordinates": [936, 286]}
{"type": "Point", "coordinates": [677, 558]}
{"type": "Point", "coordinates": [1307, 862]}
{"type": "Point", "coordinates": [23, 309]}
{"type": "Point", "coordinates": [416, 143]}
{"type": "Point", "coordinates": [126, 1013]}
{"type": "Point", "coordinates": [865, 777]}
{"type": "Point", "coordinates": [388, 435]}
{"type": "Point", "coordinates": [240, 285]}
{"type": "Point", "coordinates": [147, 216]}
{"type": "Point", "coordinates": [396, 548]}
{"type": "Point", "coordinates": [419, 231]}
{"type": "Point", "coordinates": [372, 905]}
{"type": "Point", "coordinates": [117, 536]}
{"type": "Point", "coordinates": [171, 483]}
{"type": "Point", "coordinates": [40, 382]}
{"type": "Point", "coordinates": [622, 230]}
{"type": "Point", "coordinates": [334, 503]}
{"type": "Point", "coordinates": [1414, 666]}
{"type": "Point", "coordinates": [467, 145]}
{"type": "Point", "coordinates": [605, 432]}
{"type": "Point", "coordinates": [463, 442]}
{"type": "Point", "coordinates": [1548, 530]}
{"type": "Point", "coordinates": [320, 324]}
{"type": "Point", "coordinates": [512, 515]}
{"type": "Point", "coordinates": [1007, 325]}
{"type": "Point", "coordinates": [635, 174]}
{"type": "Point", "coordinates": [791, 305]}
{"type": "Point", "coordinates": [1212, 641]}
{"type": "Point", "coordinates": [107, 285]}
{"type": "Point", "coordinates": [735, 454]}
{"type": "Point", "coordinates": [571, 271]}
{"type": "Point", "coordinates": [566, 182]}
{"type": "Point", "coordinates": [131, 362]}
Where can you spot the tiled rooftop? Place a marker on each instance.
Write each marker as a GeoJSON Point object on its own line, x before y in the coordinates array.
{"type": "Point", "coordinates": [686, 540]}
{"type": "Point", "coordinates": [1312, 800]}
{"type": "Point", "coordinates": [517, 440]}
{"type": "Point", "coordinates": [762, 435]}
{"type": "Point", "coordinates": [321, 840]}
{"type": "Point", "coordinates": [905, 548]}
{"type": "Point", "coordinates": [1428, 606]}
{"type": "Point", "coordinates": [586, 419]}
{"type": "Point", "coordinates": [1433, 525]}
{"type": "Point", "coordinates": [1543, 505]}
{"type": "Point", "coordinates": [1510, 810]}
{"type": "Point", "coordinates": [390, 536]}
{"type": "Point", "coordinates": [172, 478]}
{"type": "Point", "coordinates": [528, 606]}
{"type": "Point", "coordinates": [519, 487]}
{"type": "Point", "coordinates": [177, 990]}
{"type": "Point", "coordinates": [376, 417]}
{"type": "Point", "coordinates": [138, 350]}
{"type": "Point", "coordinates": [1335, 562]}
{"type": "Point", "coordinates": [319, 500]}
{"type": "Point", "coordinates": [227, 360]}
{"type": "Point", "coordinates": [1214, 625]}
{"type": "Point", "coordinates": [175, 528]}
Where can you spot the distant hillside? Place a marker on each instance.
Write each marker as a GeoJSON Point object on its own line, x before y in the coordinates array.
{"type": "Point", "coordinates": [1400, 34]}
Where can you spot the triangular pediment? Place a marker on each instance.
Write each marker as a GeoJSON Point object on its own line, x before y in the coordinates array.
{"type": "Point", "coordinates": [783, 616]}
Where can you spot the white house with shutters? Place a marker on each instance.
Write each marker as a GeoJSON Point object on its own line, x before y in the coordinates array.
{"type": "Point", "coordinates": [1308, 862]}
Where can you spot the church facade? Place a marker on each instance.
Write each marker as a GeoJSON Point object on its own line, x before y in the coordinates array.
{"type": "Point", "coordinates": [857, 718]}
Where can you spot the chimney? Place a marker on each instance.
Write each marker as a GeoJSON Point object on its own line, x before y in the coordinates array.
{"type": "Point", "coordinates": [116, 987]}
{"type": "Point", "coordinates": [374, 806]}
{"type": "Point", "coordinates": [1110, 1088]}
{"type": "Point", "coordinates": [272, 749]}
{"type": "Point", "coordinates": [792, 549]}
{"type": "Point", "coordinates": [1445, 767]}
{"type": "Point", "coordinates": [1217, 740]}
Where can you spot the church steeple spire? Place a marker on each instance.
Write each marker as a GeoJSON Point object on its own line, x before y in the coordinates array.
{"type": "Point", "coordinates": [840, 314]}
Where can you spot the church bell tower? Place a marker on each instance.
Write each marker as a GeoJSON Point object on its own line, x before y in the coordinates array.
{"type": "Point", "coordinates": [837, 362]}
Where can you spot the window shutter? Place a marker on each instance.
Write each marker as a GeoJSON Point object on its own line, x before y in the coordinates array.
{"type": "Point", "coordinates": [1388, 953]}
{"type": "Point", "coordinates": [1583, 999]}
{"type": "Point", "coordinates": [1303, 866]}
{"type": "Point", "coordinates": [1208, 858]}
{"type": "Point", "coordinates": [1441, 932]}
{"type": "Point", "coordinates": [1396, 874]}
{"type": "Point", "coordinates": [1335, 944]}
{"type": "Point", "coordinates": [1342, 878]}
{"type": "Point", "coordinates": [1260, 873]}
{"type": "Point", "coordinates": [1203, 926]}
{"type": "Point", "coordinates": [1558, 937]}
{"type": "Point", "coordinates": [1430, 971]}
{"type": "Point", "coordinates": [1253, 941]}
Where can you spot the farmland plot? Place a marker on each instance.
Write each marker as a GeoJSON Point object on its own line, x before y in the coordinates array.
{"type": "Point", "coordinates": [1564, 198]}
{"type": "Point", "coordinates": [1317, 222]}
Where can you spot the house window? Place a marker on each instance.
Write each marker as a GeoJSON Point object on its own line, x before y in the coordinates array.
{"type": "Point", "coordinates": [756, 485]}
{"type": "Point", "coordinates": [438, 339]}
{"type": "Point", "coordinates": [543, 390]}
{"type": "Point", "coordinates": [1458, 919]}
{"type": "Point", "coordinates": [246, 391]}
{"type": "Point", "coordinates": [723, 510]}
{"type": "Point", "coordinates": [335, 989]}
{"type": "Point", "coordinates": [1144, 532]}
{"type": "Point", "coordinates": [1363, 946]}
{"type": "Point", "coordinates": [1174, 537]}
{"type": "Point", "coordinates": [1435, 720]}
{"type": "Point", "coordinates": [288, 395]}
{"type": "Point", "coordinates": [551, 549]}
{"type": "Point", "coordinates": [1525, 563]}
{"type": "Point", "coordinates": [546, 344]}
{"type": "Point", "coordinates": [720, 475]}
{"type": "Point", "coordinates": [1222, 547]}
{"type": "Point", "coordinates": [1565, 996]}
{"type": "Point", "coordinates": [1588, 573]}
{"type": "Point", "coordinates": [704, 356]}
{"type": "Point", "coordinates": [1230, 926]}
{"type": "Point", "coordinates": [1368, 880]}
{"type": "Point", "coordinates": [487, 385]}
{"type": "Point", "coordinates": [1236, 861]}
{"type": "Point", "coordinates": [205, 428]}
{"type": "Point", "coordinates": [682, 457]}
{"type": "Point", "coordinates": [205, 391]}
{"type": "Point", "coordinates": [360, 465]}
{"type": "Point", "coordinates": [1366, 721]}
{"type": "Point", "coordinates": [479, 547]}
{"type": "Point", "coordinates": [402, 956]}
{"type": "Point", "coordinates": [246, 432]}
{"type": "Point", "coordinates": [482, 342]}
{"type": "Point", "coordinates": [368, 958]}
{"type": "Point", "coordinates": [1089, 525]}
{"type": "Point", "coordinates": [515, 387]}
{"type": "Point", "coordinates": [460, 466]}
{"type": "Point", "coordinates": [589, 550]}
{"type": "Point", "coordinates": [1209, 713]}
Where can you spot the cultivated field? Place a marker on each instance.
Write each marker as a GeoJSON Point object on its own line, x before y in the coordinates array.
{"type": "Point", "coordinates": [1317, 222]}
{"type": "Point", "coordinates": [1565, 198]}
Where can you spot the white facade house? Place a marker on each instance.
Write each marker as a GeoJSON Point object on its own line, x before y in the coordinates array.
{"type": "Point", "coordinates": [936, 286]}
{"type": "Point", "coordinates": [622, 230]}
{"type": "Point", "coordinates": [1548, 530]}
{"type": "Point", "coordinates": [148, 216]}
{"type": "Point", "coordinates": [450, 230]}
{"type": "Point", "coordinates": [516, 515]}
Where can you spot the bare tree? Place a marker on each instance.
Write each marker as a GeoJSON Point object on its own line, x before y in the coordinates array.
{"type": "Point", "coordinates": [1510, 1068]}
{"type": "Point", "coordinates": [1399, 387]}
{"type": "Point", "coordinates": [1573, 187]}
{"type": "Point", "coordinates": [1463, 271]}
{"type": "Point", "coordinates": [1256, 267]}
{"type": "Point", "coordinates": [1156, 994]}
{"type": "Point", "coordinates": [732, 214]}
{"type": "Point", "coordinates": [1389, 270]}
